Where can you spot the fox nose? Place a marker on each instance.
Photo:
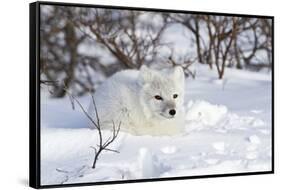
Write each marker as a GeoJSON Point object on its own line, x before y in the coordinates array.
{"type": "Point", "coordinates": [172, 112]}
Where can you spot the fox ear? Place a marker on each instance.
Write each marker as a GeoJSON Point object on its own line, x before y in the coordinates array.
{"type": "Point", "coordinates": [178, 74]}
{"type": "Point", "coordinates": [145, 74]}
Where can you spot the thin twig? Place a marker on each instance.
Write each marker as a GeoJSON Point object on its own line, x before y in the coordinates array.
{"type": "Point", "coordinates": [82, 108]}
{"type": "Point", "coordinates": [102, 146]}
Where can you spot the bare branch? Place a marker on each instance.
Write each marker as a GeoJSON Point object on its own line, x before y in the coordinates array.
{"type": "Point", "coordinates": [82, 108]}
{"type": "Point", "coordinates": [101, 145]}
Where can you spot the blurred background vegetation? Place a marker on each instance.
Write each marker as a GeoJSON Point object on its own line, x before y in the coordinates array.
{"type": "Point", "coordinates": [80, 47]}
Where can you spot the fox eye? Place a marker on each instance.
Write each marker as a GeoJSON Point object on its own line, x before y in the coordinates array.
{"type": "Point", "coordinates": [175, 96]}
{"type": "Point", "coordinates": [157, 97]}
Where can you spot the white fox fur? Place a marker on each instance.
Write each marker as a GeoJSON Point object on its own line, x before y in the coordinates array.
{"type": "Point", "coordinates": [129, 97]}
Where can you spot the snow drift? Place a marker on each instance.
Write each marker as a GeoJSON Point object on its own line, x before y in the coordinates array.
{"type": "Point", "coordinates": [227, 130]}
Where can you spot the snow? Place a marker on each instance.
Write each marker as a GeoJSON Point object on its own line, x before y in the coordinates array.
{"type": "Point", "coordinates": [148, 164]}
{"type": "Point", "coordinates": [254, 139]}
{"type": "Point", "coordinates": [169, 149]}
{"type": "Point", "coordinates": [227, 130]}
{"type": "Point", "coordinates": [205, 112]}
{"type": "Point", "coordinates": [219, 146]}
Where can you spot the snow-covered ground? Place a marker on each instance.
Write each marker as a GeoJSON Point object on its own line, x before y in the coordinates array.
{"type": "Point", "coordinates": [227, 130]}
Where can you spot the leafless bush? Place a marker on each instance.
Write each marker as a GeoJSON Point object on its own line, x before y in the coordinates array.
{"type": "Point", "coordinates": [225, 41]}
{"type": "Point", "coordinates": [60, 59]}
{"type": "Point", "coordinates": [78, 43]}
{"type": "Point", "coordinates": [128, 35]}
{"type": "Point", "coordinates": [185, 66]}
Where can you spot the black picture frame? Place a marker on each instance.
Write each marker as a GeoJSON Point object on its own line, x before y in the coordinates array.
{"type": "Point", "coordinates": [34, 95]}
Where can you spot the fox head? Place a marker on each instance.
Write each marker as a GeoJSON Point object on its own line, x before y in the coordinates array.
{"type": "Point", "coordinates": [162, 93]}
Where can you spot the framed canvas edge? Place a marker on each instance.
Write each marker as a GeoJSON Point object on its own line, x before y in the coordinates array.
{"type": "Point", "coordinates": [156, 179]}
{"type": "Point", "coordinates": [152, 9]}
{"type": "Point", "coordinates": [272, 100]}
{"type": "Point", "coordinates": [34, 96]}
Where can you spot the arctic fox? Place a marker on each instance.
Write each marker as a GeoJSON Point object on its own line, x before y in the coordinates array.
{"type": "Point", "coordinates": [145, 101]}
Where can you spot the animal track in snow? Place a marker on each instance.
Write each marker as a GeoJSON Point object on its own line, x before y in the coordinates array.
{"type": "Point", "coordinates": [254, 139]}
{"type": "Point", "coordinates": [220, 146]}
{"type": "Point", "coordinates": [169, 149]}
{"type": "Point", "coordinates": [252, 155]}
{"type": "Point", "coordinates": [211, 161]}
